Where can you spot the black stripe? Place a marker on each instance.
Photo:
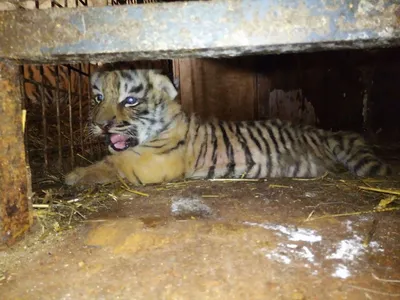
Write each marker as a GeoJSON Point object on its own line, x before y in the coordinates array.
{"type": "Point", "coordinates": [178, 145]}
{"type": "Point", "coordinates": [149, 88]}
{"type": "Point", "coordinates": [153, 146]}
{"type": "Point", "coordinates": [315, 139]}
{"type": "Point", "coordinates": [214, 142]}
{"type": "Point", "coordinates": [253, 138]}
{"type": "Point", "coordinates": [303, 138]}
{"type": "Point", "coordinates": [249, 160]}
{"type": "Point", "coordinates": [374, 170]}
{"type": "Point", "coordinates": [363, 161]}
{"type": "Point", "coordinates": [126, 75]}
{"type": "Point", "coordinates": [293, 148]}
{"type": "Point", "coordinates": [203, 147]}
{"type": "Point", "coordinates": [95, 87]}
{"type": "Point", "coordinates": [124, 124]}
{"type": "Point", "coordinates": [155, 140]}
{"type": "Point", "coordinates": [257, 175]}
{"type": "Point", "coordinates": [142, 121]}
{"type": "Point", "coordinates": [289, 132]}
{"type": "Point", "coordinates": [355, 155]}
{"type": "Point", "coordinates": [340, 140]}
{"type": "Point", "coordinates": [170, 121]}
{"type": "Point", "coordinates": [273, 138]}
{"type": "Point", "coordinates": [229, 152]}
{"type": "Point", "coordinates": [151, 120]}
{"type": "Point", "coordinates": [136, 89]}
{"type": "Point", "coordinates": [196, 133]}
{"type": "Point", "coordinates": [348, 151]}
{"type": "Point", "coordinates": [309, 141]}
{"type": "Point", "coordinates": [137, 178]}
{"type": "Point", "coordinates": [187, 129]}
{"type": "Point", "coordinates": [268, 151]}
{"type": "Point", "coordinates": [296, 168]}
{"type": "Point", "coordinates": [230, 127]}
{"type": "Point", "coordinates": [352, 141]}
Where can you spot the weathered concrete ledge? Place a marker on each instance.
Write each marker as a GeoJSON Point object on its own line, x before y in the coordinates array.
{"type": "Point", "coordinates": [196, 29]}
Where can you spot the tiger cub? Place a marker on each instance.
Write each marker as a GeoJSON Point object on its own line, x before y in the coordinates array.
{"type": "Point", "coordinates": [152, 140]}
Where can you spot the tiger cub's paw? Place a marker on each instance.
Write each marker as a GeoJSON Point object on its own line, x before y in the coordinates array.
{"type": "Point", "coordinates": [91, 175]}
{"type": "Point", "coordinates": [74, 177]}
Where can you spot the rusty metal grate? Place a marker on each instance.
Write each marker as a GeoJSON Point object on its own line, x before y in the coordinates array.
{"type": "Point", "coordinates": [57, 102]}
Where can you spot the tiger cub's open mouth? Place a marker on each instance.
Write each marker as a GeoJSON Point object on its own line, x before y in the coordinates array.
{"type": "Point", "coordinates": [120, 142]}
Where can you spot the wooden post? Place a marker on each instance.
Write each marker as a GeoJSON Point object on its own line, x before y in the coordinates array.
{"type": "Point", "coordinates": [15, 209]}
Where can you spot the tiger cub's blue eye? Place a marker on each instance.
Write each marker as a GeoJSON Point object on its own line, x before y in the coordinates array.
{"type": "Point", "coordinates": [131, 101]}
{"type": "Point", "coordinates": [98, 98]}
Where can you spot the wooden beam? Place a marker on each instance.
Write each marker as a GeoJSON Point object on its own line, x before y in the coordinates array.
{"type": "Point", "coordinates": [196, 29]}
{"type": "Point", "coordinates": [15, 208]}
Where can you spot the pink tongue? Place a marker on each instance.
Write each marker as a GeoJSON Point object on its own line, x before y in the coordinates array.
{"type": "Point", "coordinates": [119, 141]}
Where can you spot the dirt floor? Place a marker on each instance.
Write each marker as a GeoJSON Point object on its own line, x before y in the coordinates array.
{"type": "Point", "coordinates": [213, 240]}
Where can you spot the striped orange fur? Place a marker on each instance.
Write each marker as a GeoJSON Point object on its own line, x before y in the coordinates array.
{"type": "Point", "coordinates": [152, 140]}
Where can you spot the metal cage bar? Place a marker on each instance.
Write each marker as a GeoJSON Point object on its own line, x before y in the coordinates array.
{"type": "Point", "coordinates": [44, 121]}
{"type": "Point", "coordinates": [71, 132]}
{"type": "Point", "coordinates": [81, 133]}
{"type": "Point", "coordinates": [59, 140]}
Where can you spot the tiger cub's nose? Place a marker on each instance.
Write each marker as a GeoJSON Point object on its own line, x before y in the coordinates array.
{"type": "Point", "coordinates": [105, 126]}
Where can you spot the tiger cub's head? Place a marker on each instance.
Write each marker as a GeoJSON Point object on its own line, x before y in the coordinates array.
{"type": "Point", "coordinates": [129, 106]}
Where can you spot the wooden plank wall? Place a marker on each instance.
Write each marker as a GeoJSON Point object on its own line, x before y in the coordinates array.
{"type": "Point", "coordinates": [237, 89]}
{"type": "Point", "coordinates": [222, 88]}
{"type": "Point", "coordinates": [326, 89]}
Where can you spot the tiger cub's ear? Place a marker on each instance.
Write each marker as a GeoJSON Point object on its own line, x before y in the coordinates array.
{"type": "Point", "coordinates": [162, 83]}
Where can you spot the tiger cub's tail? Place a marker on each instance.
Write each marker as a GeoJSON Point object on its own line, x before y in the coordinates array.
{"type": "Point", "coordinates": [351, 150]}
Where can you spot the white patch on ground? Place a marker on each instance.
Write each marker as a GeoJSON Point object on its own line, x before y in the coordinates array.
{"type": "Point", "coordinates": [348, 249]}
{"type": "Point", "coordinates": [277, 256]}
{"type": "Point", "coordinates": [189, 207]}
{"type": "Point", "coordinates": [347, 252]}
{"type": "Point", "coordinates": [294, 234]}
{"type": "Point", "coordinates": [310, 194]}
{"type": "Point", "coordinates": [341, 271]}
{"type": "Point", "coordinates": [353, 248]}
{"type": "Point", "coordinates": [307, 254]}
{"type": "Point", "coordinates": [375, 246]}
{"type": "Point", "coordinates": [349, 225]}
{"type": "Point", "coordinates": [288, 252]}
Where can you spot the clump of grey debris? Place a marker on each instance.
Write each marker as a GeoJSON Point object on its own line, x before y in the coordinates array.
{"type": "Point", "coordinates": [187, 207]}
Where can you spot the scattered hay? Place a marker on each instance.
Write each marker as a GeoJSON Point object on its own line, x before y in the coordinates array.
{"type": "Point", "coordinates": [274, 186]}
{"type": "Point", "coordinates": [58, 209]}
{"type": "Point", "coordinates": [235, 180]}
{"type": "Point", "coordinates": [384, 191]}
{"type": "Point", "coordinates": [127, 188]}
{"type": "Point", "coordinates": [309, 218]}
{"type": "Point", "coordinates": [383, 205]}
{"type": "Point", "coordinates": [312, 179]}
